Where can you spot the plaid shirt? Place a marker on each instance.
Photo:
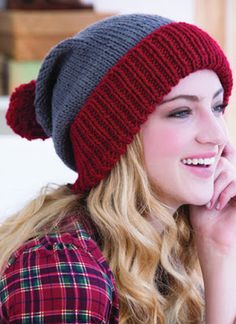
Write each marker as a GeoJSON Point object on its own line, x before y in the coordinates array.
{"type": "Point", "coordinates": [59, 278]}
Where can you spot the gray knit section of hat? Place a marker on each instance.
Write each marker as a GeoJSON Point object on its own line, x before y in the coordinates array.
{"type": "Point", "coordinates": [73, 68]}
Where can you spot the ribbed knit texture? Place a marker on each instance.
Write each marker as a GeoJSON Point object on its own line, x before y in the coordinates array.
{"type": "Point", "coordinates": [132, 88]}
{"type": "Point", "coordinates": [95, 89]}
{"type": "Point", "coordinates": [74, 67]}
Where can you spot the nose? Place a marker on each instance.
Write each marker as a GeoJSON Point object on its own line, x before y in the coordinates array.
{"type": "Point", "coordinates": [212, 130]}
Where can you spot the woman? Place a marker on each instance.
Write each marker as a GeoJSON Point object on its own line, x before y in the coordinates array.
{"type": "Point", "coordinates": [146, 234]}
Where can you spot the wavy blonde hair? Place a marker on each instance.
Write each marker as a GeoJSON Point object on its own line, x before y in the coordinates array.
{"type": "Point", "coordinates": [151, 252]}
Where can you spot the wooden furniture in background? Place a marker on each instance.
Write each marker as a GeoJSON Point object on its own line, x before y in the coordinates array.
{"type": "Point", "coordinates": [3, 75]}
{"type": "Point", "coordinates": [28, 35]}
{"type": "Point", "coordinates": [211, 15]}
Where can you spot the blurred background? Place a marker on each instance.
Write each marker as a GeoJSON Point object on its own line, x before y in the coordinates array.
{"type": "Point", "coordinates": [29, 28]}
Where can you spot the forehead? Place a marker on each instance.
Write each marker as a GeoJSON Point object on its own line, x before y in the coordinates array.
{"type": "Point", "coordinates": [201, 83]}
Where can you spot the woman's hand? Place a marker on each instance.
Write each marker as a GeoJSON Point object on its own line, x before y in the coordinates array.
{"type": "Point", "coordinates": [216, 222]}
{"type": "Point", "coordinates": [224, 185]}
{"type": "Point", "coordinates": [214, 226]}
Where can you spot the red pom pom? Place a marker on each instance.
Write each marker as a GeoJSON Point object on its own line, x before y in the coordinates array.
{"type": "Point", "coordinates": [21, 113]}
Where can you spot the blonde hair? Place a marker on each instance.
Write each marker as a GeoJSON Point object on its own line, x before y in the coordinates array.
{"type": "Point", "coordinates": [156, 267]}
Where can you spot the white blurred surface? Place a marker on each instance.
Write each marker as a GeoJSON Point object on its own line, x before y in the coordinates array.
{"type": "Point", "coordinates": [181, 10]}
{"type": "Point", "coordinates": [4, 101]}
{"type": "Point", "coordinates": [26, 166]}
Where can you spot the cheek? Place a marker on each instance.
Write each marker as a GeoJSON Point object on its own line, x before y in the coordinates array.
{"type": "Point", "coordinates": [164, 143]}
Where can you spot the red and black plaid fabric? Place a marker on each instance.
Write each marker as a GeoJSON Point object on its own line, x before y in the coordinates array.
{"type": "Point", "coordinates": [59, 278]}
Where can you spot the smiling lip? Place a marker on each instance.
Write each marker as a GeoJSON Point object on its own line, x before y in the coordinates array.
{"type": "Point", "coordinates": [200, 171]}
{"type": "Point", "coordinates": [203, 156]}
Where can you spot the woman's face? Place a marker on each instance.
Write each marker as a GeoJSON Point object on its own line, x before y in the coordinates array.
{"type": "Point", "coordinates": [185, 132]}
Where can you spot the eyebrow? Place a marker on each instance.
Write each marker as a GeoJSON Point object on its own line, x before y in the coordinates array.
{"type": "Point", "coordinates": [191, 97]}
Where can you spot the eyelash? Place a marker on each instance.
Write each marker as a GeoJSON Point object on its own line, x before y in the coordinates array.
{"type": "Point", "coordinates": [181, 113]}
{"type": "Point", "coordinates": [219, 109]}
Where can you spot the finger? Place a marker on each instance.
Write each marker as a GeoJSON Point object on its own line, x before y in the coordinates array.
{"type": "Point", "coordinates": [229, 152]}
{"type": "Point", "coordinates": [221, 165]}
{"type": "Point", "coordinates": [223, 180]}
{"type": "Point", "coordinates": [226, 195]}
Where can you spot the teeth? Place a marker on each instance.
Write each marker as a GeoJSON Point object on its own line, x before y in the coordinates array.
{"type": "Point", "coordinates": [201, 161]}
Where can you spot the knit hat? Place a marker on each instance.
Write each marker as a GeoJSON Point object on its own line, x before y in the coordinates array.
{"type": "Point", "coordinates": [95, 89]}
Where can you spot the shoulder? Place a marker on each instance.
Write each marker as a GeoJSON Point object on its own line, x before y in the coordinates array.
{"type": "Point", "coordinates": [59, 272]}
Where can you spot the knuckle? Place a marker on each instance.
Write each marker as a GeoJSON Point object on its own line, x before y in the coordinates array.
{"type": "Point", "coordinates": [224, 176]}
{"type": "Point", "coordinates": [223, 195]}
{"type": "Point", "coordinates": [222, 164]}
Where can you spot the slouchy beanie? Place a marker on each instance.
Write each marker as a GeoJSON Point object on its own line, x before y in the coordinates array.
{"type": "Point", "coordinates": [95, 89]}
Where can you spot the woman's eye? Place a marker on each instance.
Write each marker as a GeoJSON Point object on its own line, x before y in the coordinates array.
{"type": "Point", "coordinates": [181, 113]}
{"type": "Point", "coordinates": [219, 109]}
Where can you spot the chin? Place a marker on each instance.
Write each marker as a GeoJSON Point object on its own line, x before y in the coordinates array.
{"type": "Point", "coordinates": [200, 201]}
